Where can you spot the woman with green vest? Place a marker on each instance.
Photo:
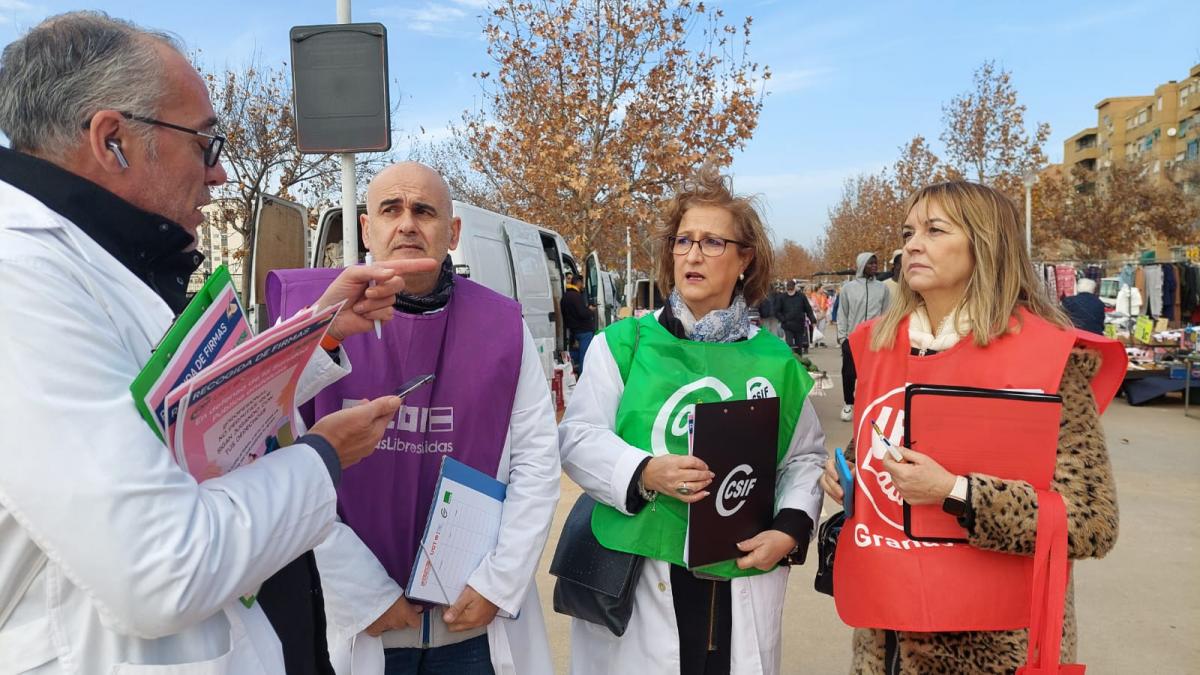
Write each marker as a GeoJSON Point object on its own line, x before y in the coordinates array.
{"type": "Point", "coordinates": [618, 445]}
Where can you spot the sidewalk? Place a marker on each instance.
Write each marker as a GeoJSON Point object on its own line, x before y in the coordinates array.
{"type": "Point", "coordinates": [1138, 609]}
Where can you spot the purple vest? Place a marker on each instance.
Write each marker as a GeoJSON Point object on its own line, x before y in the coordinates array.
{"type": "Point", "coordinates": [474, 347]}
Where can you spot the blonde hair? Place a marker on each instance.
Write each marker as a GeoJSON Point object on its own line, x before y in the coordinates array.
{"type": "Point", "coordinates": [1002, 275]}
{"type": "Point", "coordinates": [707, 187]}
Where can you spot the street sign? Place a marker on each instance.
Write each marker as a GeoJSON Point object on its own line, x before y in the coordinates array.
{"type": "Point", "coordinates": [340, 88]}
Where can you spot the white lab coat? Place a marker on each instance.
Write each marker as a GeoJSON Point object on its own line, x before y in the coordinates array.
{"type": "Point", "coordinates": [603, 465]}
{"type": "Point", "coordinates": [124, 558]}
{"type": "Point", "coordinates": [358, 590]}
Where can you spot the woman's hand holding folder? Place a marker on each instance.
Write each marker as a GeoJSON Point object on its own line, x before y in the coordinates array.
{"type": "Point", "coordinates": [919, 478]}
{"type": "Point", "coordinates": [683, 477]}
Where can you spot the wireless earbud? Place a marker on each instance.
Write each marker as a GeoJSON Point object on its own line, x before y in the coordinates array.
{"type": "Point", "coordinates": [116, 150]}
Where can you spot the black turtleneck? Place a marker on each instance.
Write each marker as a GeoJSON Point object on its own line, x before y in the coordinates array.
{"type": "Point", "coordinates": [148, 245]}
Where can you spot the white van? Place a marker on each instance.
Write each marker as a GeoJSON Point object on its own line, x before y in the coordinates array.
{"type": "Point", "coordinates": [525, 262]}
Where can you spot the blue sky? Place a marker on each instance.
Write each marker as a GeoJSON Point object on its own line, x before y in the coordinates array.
{"type": "Point", "coordinates": [852, 81]}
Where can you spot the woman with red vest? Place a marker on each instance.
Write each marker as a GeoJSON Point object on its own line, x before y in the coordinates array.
{"type": "Point", "coordinates": [969, 312]}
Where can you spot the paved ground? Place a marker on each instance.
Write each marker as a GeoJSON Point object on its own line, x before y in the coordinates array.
{"type": "Point", "coordinates": [1139, 608]}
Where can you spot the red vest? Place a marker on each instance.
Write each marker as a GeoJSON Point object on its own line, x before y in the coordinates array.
{"type": "Point", "coordinates": [883, 579]}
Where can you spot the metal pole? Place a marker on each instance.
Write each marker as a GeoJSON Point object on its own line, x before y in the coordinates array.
{"type": "Point", "coordinates": [628, 269]}
{"type": "Point", "coordinates": [1029, 219]}
{"type": "Point", "coordinates": [349, 183]}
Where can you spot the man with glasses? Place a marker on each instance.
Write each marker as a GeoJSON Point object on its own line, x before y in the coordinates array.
{"type": "Point", "coordinates": [110, 554]}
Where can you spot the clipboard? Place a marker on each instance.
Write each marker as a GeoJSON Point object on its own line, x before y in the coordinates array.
{"type": "Point", "coordinates": [462, 528]}
{"type": "Point", "coordinates": [1012, 435]}
{"type": "Point", "coordinates": [739, 442]}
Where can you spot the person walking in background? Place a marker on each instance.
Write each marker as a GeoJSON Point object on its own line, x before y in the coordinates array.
{"type": "Point", "coordinates": [580, 320]}
{"type": "Point", "coordinates": [1085, 309]}
{"type": "Point", "coordinates": [768, 313]}
{"type": "Point", "coordinates": [796, 315]}
{"type": "Point", "coordinates": [820, 303]}
{"type": "Point", "coordinates": [861, 299]}
{"type": "Point", "coordinates": [892, 282]}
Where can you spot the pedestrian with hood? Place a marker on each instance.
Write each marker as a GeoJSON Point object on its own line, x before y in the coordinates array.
{"type": "Point", "coordinates": [861, 299]}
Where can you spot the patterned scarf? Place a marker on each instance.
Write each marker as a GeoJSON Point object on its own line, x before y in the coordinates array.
{"type": "Point", "coordinates": [435, 299]}
{"type": "Point", "coordinates": [720, 325]}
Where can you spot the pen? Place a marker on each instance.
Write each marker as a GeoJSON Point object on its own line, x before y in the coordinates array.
{"type": "Point", "coordinates": [378, 324]}
{"type": "Point", "coordinates": [892, 450]}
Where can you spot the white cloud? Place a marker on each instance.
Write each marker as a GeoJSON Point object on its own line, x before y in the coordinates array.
{"type": "Point", "coordinates": [797, 79]}
{"type": "Point", "coordinates": [431, 18]}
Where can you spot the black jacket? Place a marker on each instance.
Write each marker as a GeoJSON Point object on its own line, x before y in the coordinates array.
{"type": "Point", "coordinates": [1086, 312]}
{"type": "Point", "coordinates": [578, 317]}
{"type": "Point", "coordinates": [792, 310]}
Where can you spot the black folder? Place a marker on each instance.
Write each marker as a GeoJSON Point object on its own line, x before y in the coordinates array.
{"type": "Point", "coordinates": [739, 442]}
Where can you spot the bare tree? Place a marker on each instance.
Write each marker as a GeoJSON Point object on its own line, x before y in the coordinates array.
{"type": "Point", "coordinates": [985, 135]}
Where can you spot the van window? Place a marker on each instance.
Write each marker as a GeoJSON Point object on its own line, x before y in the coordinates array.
{"type": "Point", "coordinates": [494, 266]}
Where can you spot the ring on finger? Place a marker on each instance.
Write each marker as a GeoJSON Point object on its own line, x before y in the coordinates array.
{"type": "Point", "coordinates": [683, 489]}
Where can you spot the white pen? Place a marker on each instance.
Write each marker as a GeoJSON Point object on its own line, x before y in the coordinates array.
{"type": "Point", "coordinates": [378, 323]}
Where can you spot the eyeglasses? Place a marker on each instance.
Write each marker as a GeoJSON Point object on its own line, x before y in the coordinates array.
{"type": "Point", "coordinates": [212, 151]}
{"type": "Point", "coordinates": [710, 247]}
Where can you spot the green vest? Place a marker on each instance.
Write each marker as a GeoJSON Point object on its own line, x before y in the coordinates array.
{"type": "Point", "coordinates": [664, 378]}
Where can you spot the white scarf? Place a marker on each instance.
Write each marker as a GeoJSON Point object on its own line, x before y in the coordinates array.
{"type": "Point", "coordinates": [922, 336]}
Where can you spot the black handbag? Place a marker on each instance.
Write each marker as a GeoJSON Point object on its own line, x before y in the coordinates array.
{"type": "Point", "coordinates": [827, 538]}
{"type": "Point", "coordinates": [593, 583]}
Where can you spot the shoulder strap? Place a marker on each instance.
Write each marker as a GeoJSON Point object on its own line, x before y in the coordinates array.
{"type": "Point", "coordinates": [623, 338]}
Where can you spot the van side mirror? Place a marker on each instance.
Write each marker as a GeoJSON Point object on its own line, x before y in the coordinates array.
{"type": "Point", "coordinates": [463, 271]}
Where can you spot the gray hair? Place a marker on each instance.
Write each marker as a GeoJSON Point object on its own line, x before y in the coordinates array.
{"type": "Point", "coordinates": [1085, 285]}
{"type": "Point", "coordinates": [71, 66]}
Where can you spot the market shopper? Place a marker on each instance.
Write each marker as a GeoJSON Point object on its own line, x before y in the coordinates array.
{"type": "Point", "coordinates": [861, 299]}
{"type": "Point", "coordinates": [579, 318]}
{"type": "Point", "coordinates": [715, 258]}
{"type": "Point", "coordinates": [820, 302]}
{"type": "Point", "coordinates": [796, 316]}
{"type": "Point", "coordinates": [488, 407]}
{"type": "Point", "coordinates": [1085, 309]}
{"type": "Point", "coordinates": [112, 557]}
{"type": "Point", "coordinates": [970, 312]}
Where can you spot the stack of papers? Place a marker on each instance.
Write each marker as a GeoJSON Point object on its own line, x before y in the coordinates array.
{"type": "Point", "coordinates": [217, 395]}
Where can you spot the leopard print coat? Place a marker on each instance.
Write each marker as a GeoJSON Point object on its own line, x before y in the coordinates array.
{"type": "Point", "coordinates": [1006, 520]}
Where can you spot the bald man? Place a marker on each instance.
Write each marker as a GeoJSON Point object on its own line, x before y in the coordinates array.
{"type": "Point", "coordinates": [489, 407]}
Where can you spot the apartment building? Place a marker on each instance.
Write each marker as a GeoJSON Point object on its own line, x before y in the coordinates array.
{"type": "Point", "coordinates": [220, 242]}
{"type": "Point", "coordinates": [1158, 130]}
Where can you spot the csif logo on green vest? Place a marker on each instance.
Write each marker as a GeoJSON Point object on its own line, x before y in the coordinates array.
{"type": "Point", "coordinates": [756, 388]}
{"type": "Point", "coordinates": [733, 489]}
